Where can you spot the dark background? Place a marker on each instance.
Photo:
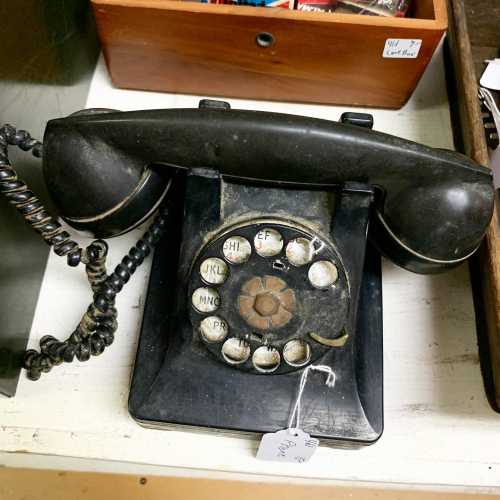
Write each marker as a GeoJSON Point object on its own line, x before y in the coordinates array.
{"type": "Point", "coordinates": [48, 50]}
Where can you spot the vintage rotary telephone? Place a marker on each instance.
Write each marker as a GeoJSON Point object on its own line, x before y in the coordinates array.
{"type": "Point", "coordinates": [262, 265]}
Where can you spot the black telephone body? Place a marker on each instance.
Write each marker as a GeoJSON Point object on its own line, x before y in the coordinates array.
{"type": "Point", "coordinates": [270, 259]}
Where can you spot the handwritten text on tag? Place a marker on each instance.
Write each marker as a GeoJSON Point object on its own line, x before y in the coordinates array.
{"type": "Point", "coordinates": [402, 48]}
{"type": "Point", "coordinates": [289, 445]}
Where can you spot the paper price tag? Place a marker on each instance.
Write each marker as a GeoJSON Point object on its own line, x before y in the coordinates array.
{"type": "Point", "coordinates": [402, 48]}
{"type": "Point", "coordinates": [491, 75]}
{"type": "Point", "coordinates": [289, 445]}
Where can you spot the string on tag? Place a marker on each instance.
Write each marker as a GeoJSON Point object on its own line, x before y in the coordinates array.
{"type": "Point", "coordinates": [330, 382]}
{"type": "Point", "coordinates": [313, 250]}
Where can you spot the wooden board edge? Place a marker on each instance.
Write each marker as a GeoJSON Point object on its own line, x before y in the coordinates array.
{"type": "Point", "coordinates": [474, 145]}
{"type": "Point", "coordinates": [17, 484]}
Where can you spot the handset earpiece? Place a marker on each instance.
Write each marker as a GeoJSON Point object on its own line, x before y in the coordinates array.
{"type": "Point", "coordinates": [98, 187]}
{"type": "Point", "coordinates": [459, 213]}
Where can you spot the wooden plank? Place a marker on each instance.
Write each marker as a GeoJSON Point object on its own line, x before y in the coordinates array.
{"type": "Point", "coordinates": [19, 484]}
{"type": "Point", "coordinates": [483, 20]}
{"type": "Point", "coordinates": [474, 145]}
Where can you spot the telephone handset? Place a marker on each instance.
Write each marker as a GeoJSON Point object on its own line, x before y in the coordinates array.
{"type": "Point", "coordinates": [264, 267]}
{"type": "Point", "coordinates": [431, 212]}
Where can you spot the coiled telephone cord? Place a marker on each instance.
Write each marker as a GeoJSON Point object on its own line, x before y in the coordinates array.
{"type": "Point", "coordinates": [98, 325]}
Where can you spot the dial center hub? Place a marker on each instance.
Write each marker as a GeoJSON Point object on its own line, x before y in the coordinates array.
{"type": "Point", "coordinates": [266, 302]}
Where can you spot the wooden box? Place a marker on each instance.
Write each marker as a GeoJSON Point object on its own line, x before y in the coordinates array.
{"type": "Point", "coordinates": [265, 53]}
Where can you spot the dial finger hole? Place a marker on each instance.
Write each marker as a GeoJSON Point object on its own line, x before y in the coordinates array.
{"type": "Point", "coordinates": [297, 352]}
{"type": "Point", "coordinates": [299, 252]}
{"type": "Point", "coordinates": [268, 242]}
{"type": "Point", "coordinates": [281, 318]}
{"type": "Point", "coordinates": [245, 305]}
{"type": "Point", "coordinates": [266, 359]}
{"type": "Point", "coordinates": [205, 300]}
{"type": "Point", "coordinates": [257, 321]}
{"type": "Point", "coordinates": [287, 299]}
{"type": "Point", "coordinates": [237, 250]}
{"type": "Point", "coordinates": [235, 351]}
{"type": "Point", "coordinates": [253, 286]}
{"type": "Point", "coordinates": [214, 329]}
{"type": "Point", "coordinates": [273, 284]}
{"type": "Point", "coordinates": [323, 274]}
{"type": "Point", "coordinates": [214, 271]}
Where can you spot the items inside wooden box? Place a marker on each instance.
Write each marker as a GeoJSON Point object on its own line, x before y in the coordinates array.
{"type": "Point", "coordinates": [386, 8]}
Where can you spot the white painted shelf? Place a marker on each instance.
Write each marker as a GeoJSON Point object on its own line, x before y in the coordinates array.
{"type": "Point", "coordinates": [439, 428]}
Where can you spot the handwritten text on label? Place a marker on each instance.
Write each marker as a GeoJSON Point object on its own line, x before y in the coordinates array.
{"type": "Point", "coordinates": [402, 48]}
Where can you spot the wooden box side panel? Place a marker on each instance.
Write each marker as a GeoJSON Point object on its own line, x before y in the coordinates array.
{"type": "Point", "coordinates": [165, 49]}
{"type": "Point", "coordinates": [475, 146]}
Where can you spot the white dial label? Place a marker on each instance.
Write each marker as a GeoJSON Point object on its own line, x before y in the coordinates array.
{"type": "Point", "coordinates": [268, 242]}
{"type": "Point", "coordinates": [214, 329]}
{"type": "Point", "coordinates": [299, 252]}
{"type": "Point", "coordinates": [206, 299]}
{"type": "Point", "coordinates": [237, 249]}
{"type": "Point", "coordinates": [323, 274]}
{"type": "Point", "coordinates": [214, 271]}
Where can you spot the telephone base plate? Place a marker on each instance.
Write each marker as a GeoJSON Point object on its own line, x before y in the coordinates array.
{"type": "Point", "coordinates": [177, 385]}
